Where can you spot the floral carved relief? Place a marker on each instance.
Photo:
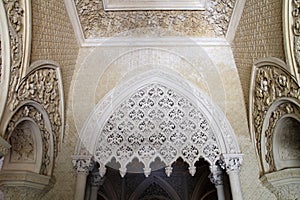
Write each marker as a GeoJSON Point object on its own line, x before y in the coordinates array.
{"type": "Point", "coordinates": [42, 86]}
{"type": "Point", "coordinates": [96, 23]}
{"type": "Point", "coordinates": [153, 122]}
{"type": "Point", "coordinates": [270, 83]}
{"type": "Point", "coordinates": [15, 14]}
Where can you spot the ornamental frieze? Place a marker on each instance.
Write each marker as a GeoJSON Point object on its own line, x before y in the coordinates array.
{"type": "Point", "coordinates": [97, 23]}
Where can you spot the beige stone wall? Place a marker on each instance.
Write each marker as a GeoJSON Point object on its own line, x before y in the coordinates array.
{"type": "Point", "coordinates": [53, 39]}
{"type": "Point", "coordinates": [259, 35]}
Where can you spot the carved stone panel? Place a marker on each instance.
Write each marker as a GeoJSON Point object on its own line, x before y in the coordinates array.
{"type": "Point", "coordinates": [96, 23]}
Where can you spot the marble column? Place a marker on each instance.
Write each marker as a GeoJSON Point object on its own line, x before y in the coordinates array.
{"type": "Point", "coordinates": [216, 177]}
{"type": "Point", "coordinates": [232, 164]}
{"type": "Point", "coordinates": [82, 166]}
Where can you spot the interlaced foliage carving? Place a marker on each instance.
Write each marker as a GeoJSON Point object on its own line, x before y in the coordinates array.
{"type": "Point", "coordinates": [270, 84]}
{"type": "Point", "coordinates": [154, 122]}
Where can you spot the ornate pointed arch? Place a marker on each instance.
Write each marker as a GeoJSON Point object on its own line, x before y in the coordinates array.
{"type": "Point", "coordinates": [157, 114]}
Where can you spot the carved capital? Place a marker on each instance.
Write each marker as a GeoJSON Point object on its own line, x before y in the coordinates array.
{"type": "Point", "coordinates": [216, 175]}
{"type": "Point", "coordinates": [82, 164]}
{"type": "Point", "coordinates": [231, 162]}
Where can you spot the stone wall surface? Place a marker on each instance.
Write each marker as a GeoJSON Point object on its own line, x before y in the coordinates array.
{"type": "Point", "coordinates": [53, 39]}
{"type": "Point", "coordinates": [259, 35]}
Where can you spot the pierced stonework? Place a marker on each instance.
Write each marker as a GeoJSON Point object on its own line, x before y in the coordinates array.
{"type": "Point", "coordinates": [154, 122]}
{"type": "Point", "coordinates": [97, 23]}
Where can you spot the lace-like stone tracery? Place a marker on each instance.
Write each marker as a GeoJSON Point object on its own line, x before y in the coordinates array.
{"type": "Point", "coordinates": [156, 122]}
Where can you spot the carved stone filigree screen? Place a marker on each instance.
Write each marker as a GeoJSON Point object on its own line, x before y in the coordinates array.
{"type": "Point", "coordinates": [156, 121]}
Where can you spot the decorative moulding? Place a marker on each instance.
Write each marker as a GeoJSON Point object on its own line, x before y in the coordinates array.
{"type": "Point", "coordinates": [155, 117]}
{"type": "Point", "coordinates": [284, 184]}
{"type": "Point", "coordinates": [218, 14]}
{"type": "Point", "coordinates": [291, 31]}
{"type": "Point", "coordinates": [271, 86]}
{"type": "Point", "coordinates": [110, 5]}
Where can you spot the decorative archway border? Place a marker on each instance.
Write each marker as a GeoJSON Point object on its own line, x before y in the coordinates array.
{"type": "Point", "coordinates": [225, 136]}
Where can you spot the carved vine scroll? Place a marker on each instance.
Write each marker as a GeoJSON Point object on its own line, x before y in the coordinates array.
{"type": "Point", "coordinates": [43, 85]}
{"type": "Point", "coordinates": [270, 82]}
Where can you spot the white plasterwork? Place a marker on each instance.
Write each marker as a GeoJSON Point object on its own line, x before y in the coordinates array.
{"type": "Point", "coordinates": [92, 137]}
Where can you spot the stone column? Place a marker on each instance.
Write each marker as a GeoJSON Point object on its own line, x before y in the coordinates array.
{"type": "Point", "coordinates": [232, 164]}
{"type": "Point", "coordinates": [216, 177]}
{"type": "Point", "coordinates": [96, 181]}
{"type": "Point", "coordinates": [81, 165]}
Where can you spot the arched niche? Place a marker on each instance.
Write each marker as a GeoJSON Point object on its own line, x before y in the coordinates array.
{"type": "Point", "coordinates": [274, 115]}
{"type": "Point", "coordinates": [26, 142]}
{"type": "Point", "coordinates": [286, 143]}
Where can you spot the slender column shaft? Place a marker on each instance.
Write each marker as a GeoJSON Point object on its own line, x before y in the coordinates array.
{"type": "Point", "coordinates": [232, 164]}
{"type": "Point", "coordinates": [235, 185]}
{"type": "Point", "coordinates": [82, 166]}
{"type": "Point", "coordinates": [80, 186]}
{"type": "Point", "coordinates": [216, 177]}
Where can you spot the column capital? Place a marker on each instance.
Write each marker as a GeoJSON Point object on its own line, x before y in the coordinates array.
{"type": "Point", "coordinates": [216, 175]}
{"type": "Point", "coordinates": [231, 162]}
{"type": "Point", "coordinates": [82, 163]}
